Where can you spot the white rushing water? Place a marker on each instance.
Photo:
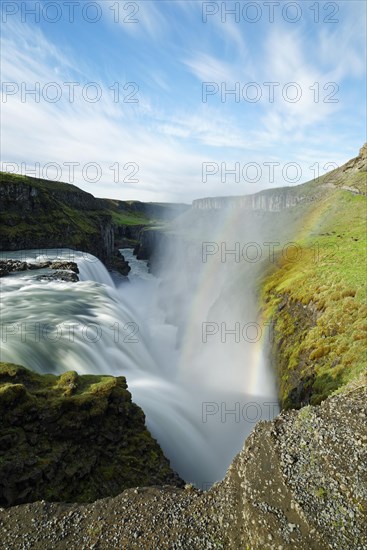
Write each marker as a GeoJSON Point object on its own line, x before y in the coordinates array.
{"type": "Point", "coordinates": [93, 327]}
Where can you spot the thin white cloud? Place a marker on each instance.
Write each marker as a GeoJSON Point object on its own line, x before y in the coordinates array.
{"type": "Point", "coordinates": [105, 133]}
{"type": "Point", "coordinates": [208, 68]}
{"type": "Point", "coordinates": [139, 18]}
{"type": "Point", "coordinates": [170, 143]}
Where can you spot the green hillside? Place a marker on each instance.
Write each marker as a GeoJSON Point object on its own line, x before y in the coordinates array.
{"type": "Point", "coordinates": [317, 302]}
{"type": "Point", "coordinates": [37, 213]}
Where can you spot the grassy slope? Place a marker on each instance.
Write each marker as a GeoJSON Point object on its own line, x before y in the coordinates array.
{"type": "Point", "coordinates": [43, 185]}
{"type": "Point", "coordinates": [138, 213]}
{"type": "Point", "coordinates": [56, 215]}
{"type": "Point", "coordinates": [317, 302]}
{"type": "Point", "coordinates": [123, 213]}
{"type": "Point", "coordinates": [129, 218]}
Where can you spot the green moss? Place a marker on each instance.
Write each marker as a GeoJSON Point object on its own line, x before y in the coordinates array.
{"type": "Point", "coordinates": [74, 438]}
{"type": "Point", "coordinates": [11, 393]}
{"type": "Point", "coordinates": [68, 382]}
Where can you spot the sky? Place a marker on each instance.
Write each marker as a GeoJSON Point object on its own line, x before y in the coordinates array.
{"type": "Point", "coordinates": [132, 99]}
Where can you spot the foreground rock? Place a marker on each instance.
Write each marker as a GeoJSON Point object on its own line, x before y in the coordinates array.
{"type": "Point", "coordinates": [72, 438]}
{"type": "Point", "coordinates": [299, 483]}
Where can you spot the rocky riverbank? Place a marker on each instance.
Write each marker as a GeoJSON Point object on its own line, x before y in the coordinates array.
{"type": "Point", "coordinates": [300, 482]}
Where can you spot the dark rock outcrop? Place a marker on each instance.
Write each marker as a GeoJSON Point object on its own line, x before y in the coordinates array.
{"type": "Point", "coordinates": [127, 236]}
{"type": "Point", "coordinates": [71, 266]}
{"type": "Point", "coordinates": [64, 271]}
{"type": "Point", "coordinates": [119, 264]}
{"type": "Point", "coordinates": [130, 232]}
{"type": "Point", "coordinates": [59, 275]}
{"type": "Point", "coordinates": [72, 438]}
{"type": "Point", "coordinates": [152, 243]}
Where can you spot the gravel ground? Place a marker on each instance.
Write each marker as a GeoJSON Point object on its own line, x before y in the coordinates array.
{"type": "Point", "coordinates": [300, 483]}
{"type": "Point", "coordinates": [154, 517]}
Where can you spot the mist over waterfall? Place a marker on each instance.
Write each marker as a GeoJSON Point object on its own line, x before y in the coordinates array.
{"type": "Point", "coordinates": [188, 338]}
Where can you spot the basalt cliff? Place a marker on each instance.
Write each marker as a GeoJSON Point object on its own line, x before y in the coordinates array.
{"type": "Point", "coordinates": [350, 176]}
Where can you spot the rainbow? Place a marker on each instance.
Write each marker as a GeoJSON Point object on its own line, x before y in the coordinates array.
{"type": "Point", "coordinates": [206, 290]}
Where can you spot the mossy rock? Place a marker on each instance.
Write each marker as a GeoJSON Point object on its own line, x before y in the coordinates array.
{"type": "Point", "coordinates": [73, 438]}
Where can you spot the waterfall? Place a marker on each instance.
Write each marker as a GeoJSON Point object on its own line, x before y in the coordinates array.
{"type": "Point", "coordinates": [93, 327]}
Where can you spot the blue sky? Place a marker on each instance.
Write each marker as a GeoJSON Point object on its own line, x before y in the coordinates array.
{"type": "Point", "coordinates": [157, 147]}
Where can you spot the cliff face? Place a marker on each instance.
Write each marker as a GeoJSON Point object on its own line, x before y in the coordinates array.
{"type": "Point", "coordinates": [41, 214]}
{"type": "Point", "coordinates": [351, 176]}
{"type": "Point", "coordinates": [300, 482]}
{"type": "Point", "coordinates": [151, 246]}
{"type": "Point", "coordinates": [125, 234]}
{"type": "Point", "coordinates": [72, 438]}
{"type": "Point", "coordinates": [268, 201]}
{"type": "Point", "coordinates": [22, 189]}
